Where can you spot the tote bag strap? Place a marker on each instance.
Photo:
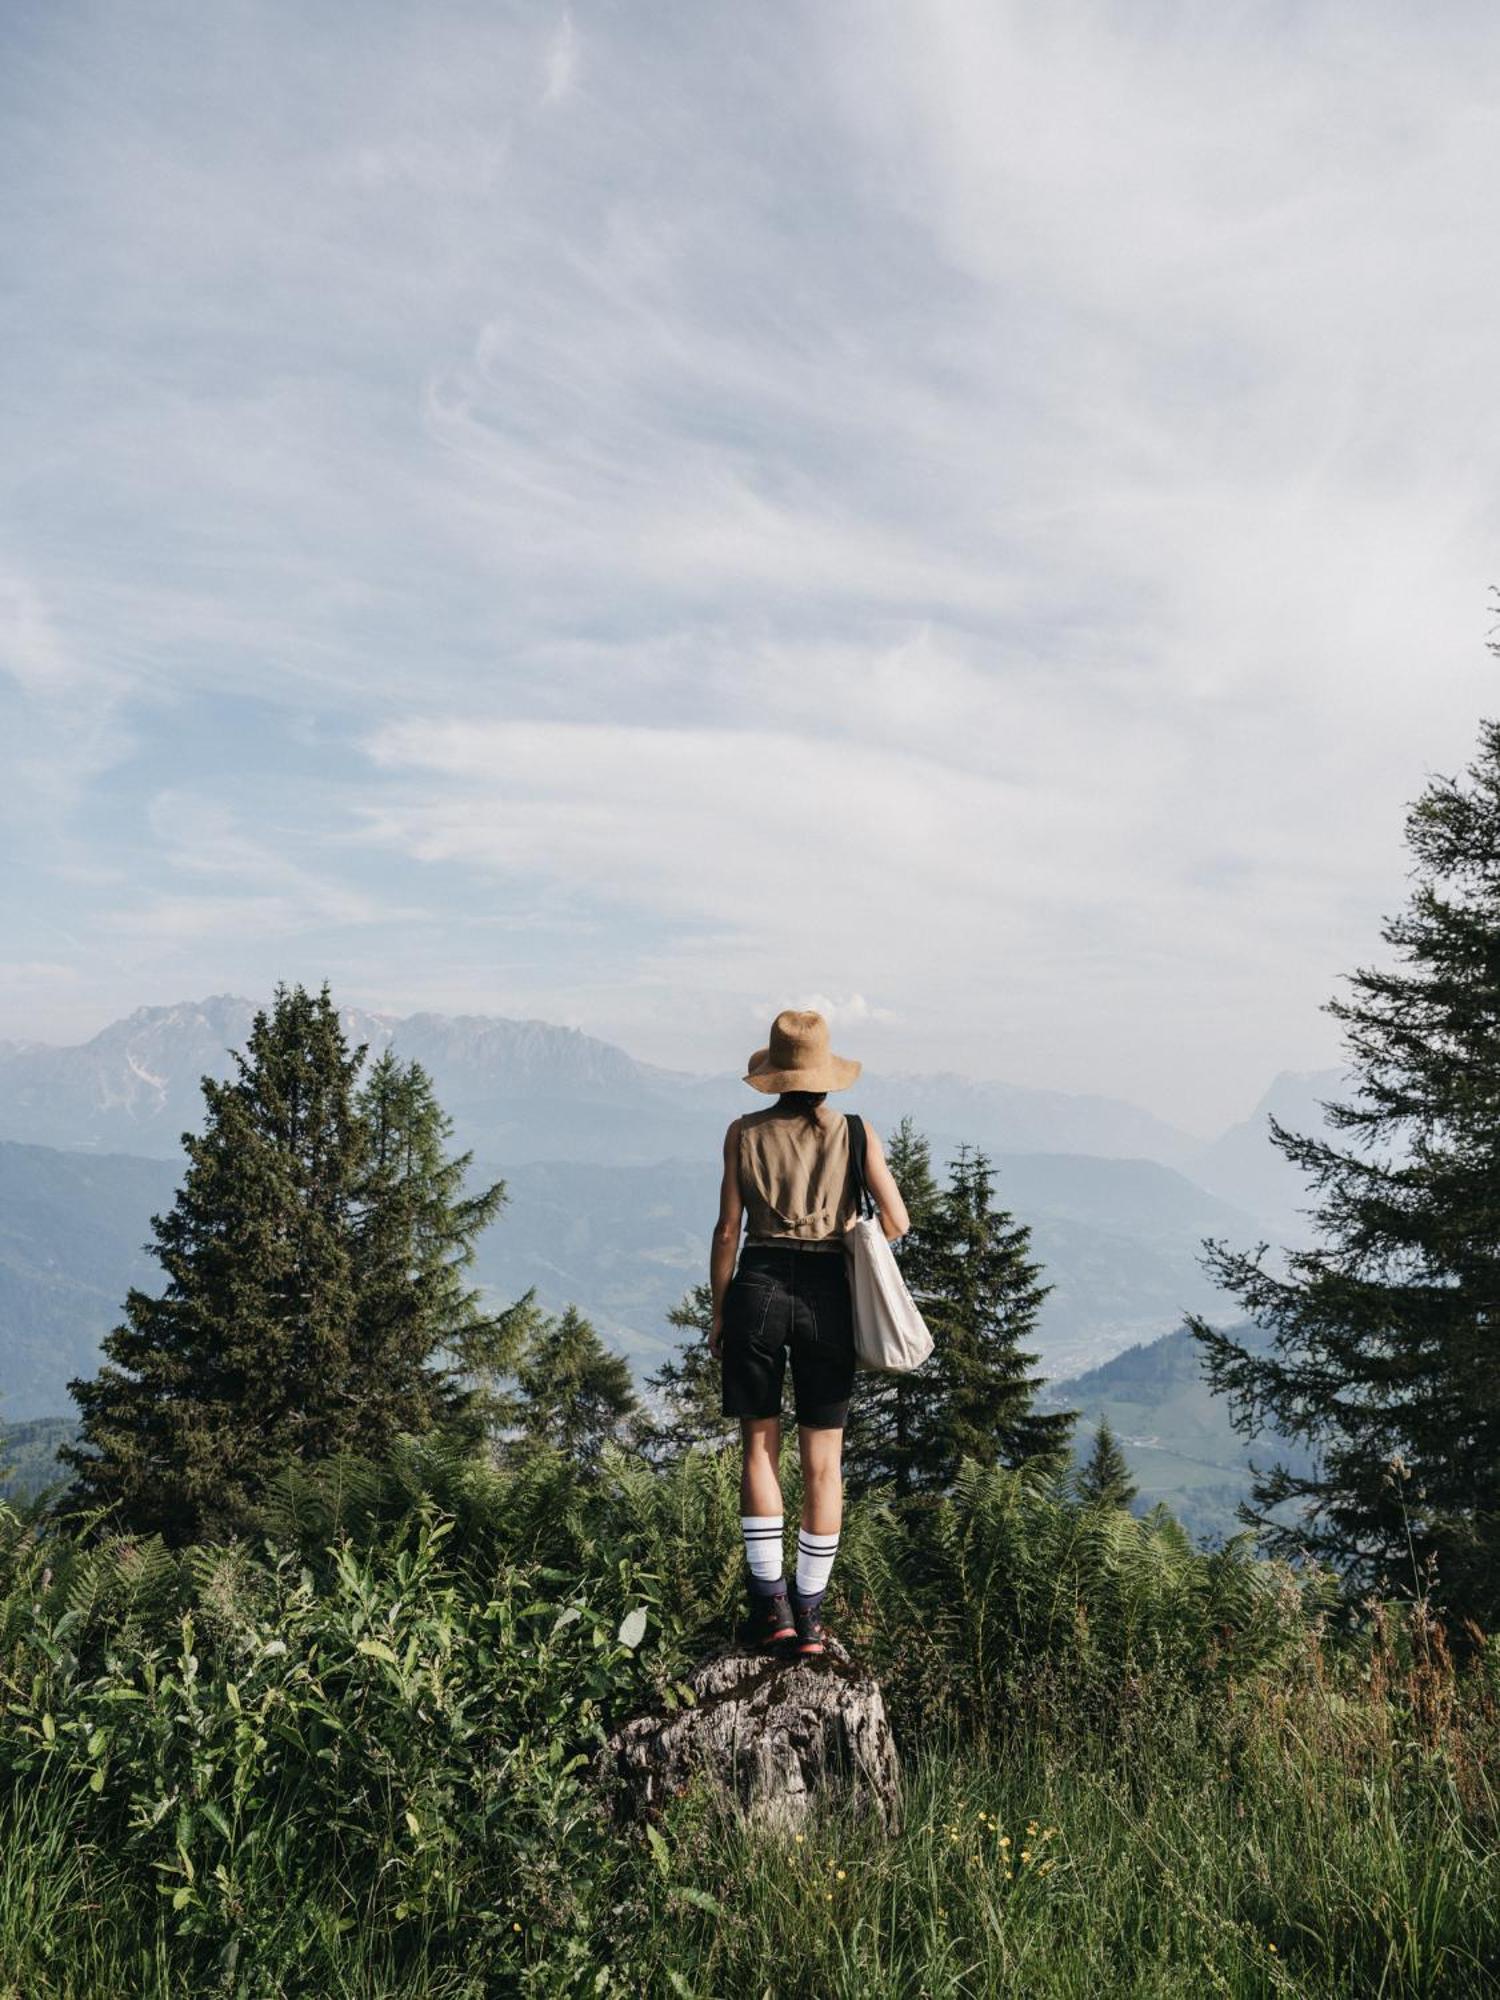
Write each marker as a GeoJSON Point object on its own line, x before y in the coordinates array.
{"type": "Point", "coordinates": [863, 1197]}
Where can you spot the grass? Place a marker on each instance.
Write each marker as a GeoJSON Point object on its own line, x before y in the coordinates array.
{"type": "Point", "coordinates": [1043, 1870]}
{"type": "Point", "coordinates": [355, 1765]}
{"type": "Point", "coordinates": [1311, 1864]}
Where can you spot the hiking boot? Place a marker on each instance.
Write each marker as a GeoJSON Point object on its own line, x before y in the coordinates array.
{"type": "Point", "coordinates": [771, 1621]}
{"type": "Point", "coordinates": [808, 1613]}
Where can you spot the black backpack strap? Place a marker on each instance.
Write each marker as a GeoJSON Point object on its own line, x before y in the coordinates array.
{"type": "Point", "coordinates": [865, 1201]}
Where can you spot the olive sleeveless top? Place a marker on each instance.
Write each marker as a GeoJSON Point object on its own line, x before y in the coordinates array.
{"type": "Point", "coordinates": [796, 1178]}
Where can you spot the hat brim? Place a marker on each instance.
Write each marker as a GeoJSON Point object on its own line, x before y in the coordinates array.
{"type": "Point", "coordinates": [837, 1073]}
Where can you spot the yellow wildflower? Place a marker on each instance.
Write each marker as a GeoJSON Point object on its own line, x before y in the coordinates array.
{"type": "Point", "coordinates": [843, 1875]}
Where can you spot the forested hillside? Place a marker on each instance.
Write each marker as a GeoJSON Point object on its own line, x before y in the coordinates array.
{"type": "Point", "coordinates": [73, 1232]}
{"type": "Point", "coordinates": [1119, 1239]}
{"type": "Point", "coordinates": [28, 1456]}
{"type": "Point", "coordinates": [1176, 1434]}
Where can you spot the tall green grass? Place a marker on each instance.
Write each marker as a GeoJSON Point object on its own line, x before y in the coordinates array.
{"type": "Point", "coordinates": [356, 1757]}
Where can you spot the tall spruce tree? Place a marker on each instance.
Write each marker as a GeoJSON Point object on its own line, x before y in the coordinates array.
{"type": "Point", "coordinates": [1385, 1347]}
{"type": "Point", "coordinates": [980, 1298]}
{"type": "Point", "coordinates": [421, 1343]}
{"type": "Point", "coordinates": [310, 1280]}
{"type": "Point", "coordinates": [884, 1441]}
{"type": "Point", "coordinates": [243, 1359]}
{"type": "Point", "coordinates": [1103, 1479]}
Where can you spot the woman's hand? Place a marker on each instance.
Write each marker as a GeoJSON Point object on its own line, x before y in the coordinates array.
{"type": "Point", "coordinates": [716, 1336]}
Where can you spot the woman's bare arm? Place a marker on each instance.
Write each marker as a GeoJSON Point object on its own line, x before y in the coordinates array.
{"type": "Point", "coordinates": [894, 1219]}
{"type": "Point", "coordinates": [726, 1236]}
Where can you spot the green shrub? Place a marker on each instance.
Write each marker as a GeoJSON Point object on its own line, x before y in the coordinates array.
{"type": "Point", "coordinates": [290, 1750]}
{"type": "Point", "coordinates": [354, 1756]}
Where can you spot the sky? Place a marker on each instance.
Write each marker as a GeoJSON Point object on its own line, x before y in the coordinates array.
{"type": "Point", "coordinates": [978, 517]}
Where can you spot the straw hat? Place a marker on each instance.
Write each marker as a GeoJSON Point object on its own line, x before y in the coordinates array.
{"type": "Point", "coordinates": [798, 1057]}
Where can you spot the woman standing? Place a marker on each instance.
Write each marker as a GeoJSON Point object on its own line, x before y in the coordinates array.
{"type": "Point", "coordinates": [789, 1178]}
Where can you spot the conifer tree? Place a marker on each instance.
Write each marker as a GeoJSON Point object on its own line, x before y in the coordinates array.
{"type": "Point", "coordinates": [1103, 1480]}
{"type": "Point", "coordinates": [572, 1393]}
{"type": "Point", "coordinates": [1384, 1354]}
{"type": "Point", "coordinates": [312, 1259]}
{"type": "Point", "coordinates": [980, 1298]}
{"type": "Point", "coordinates": [421, 1342]}
{"type": "Point", "coordinates": [490, 1408]}
{"type": "Point", "coordinates": [884, 1437]}
{"type": "Point", "coordinates": [244, 1358]}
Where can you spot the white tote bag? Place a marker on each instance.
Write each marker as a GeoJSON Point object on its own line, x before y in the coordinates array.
{"type": "Point", "coordinates": [890, 1335]}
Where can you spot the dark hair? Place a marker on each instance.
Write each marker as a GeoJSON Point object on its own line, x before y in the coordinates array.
{"type": "Point", "coordinates": [805, 1101]}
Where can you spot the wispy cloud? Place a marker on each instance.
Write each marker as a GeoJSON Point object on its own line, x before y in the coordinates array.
{"type": "Point", "coordinates": [562, 60]}
{"type": "Point", "coordinates": [622, 515]}
{"type": "Point", "coordinates": [258, 890]}
{"type": "Point", "coordinates": [30, 650]}
{"type": "Point", "coordinates": [28, 978]}
{"type": "Point", "coordinates": [851, 1012]}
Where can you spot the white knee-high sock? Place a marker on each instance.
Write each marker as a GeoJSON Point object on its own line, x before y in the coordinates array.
{"type": "Point", "coordinates": [763, 1552]}
{"type": "Point", "coordinates": [815, 1554]}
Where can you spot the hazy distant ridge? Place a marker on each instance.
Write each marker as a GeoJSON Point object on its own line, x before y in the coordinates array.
{"type": "Point", "coordinates": [1244, 1166]}
{"type": "Point", "coordinates": [518, 1090]}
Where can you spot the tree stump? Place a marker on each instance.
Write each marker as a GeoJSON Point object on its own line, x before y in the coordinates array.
{"type": "Point", "coordinates": [773, 1732]}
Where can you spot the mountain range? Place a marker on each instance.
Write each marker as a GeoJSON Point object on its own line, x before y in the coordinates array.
{"type": "Point", "coordinates": [610, 1167]}
{"type": "Point", "coordinates": [529, 1090]}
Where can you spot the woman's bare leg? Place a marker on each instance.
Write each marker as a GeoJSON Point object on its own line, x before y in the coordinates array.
{"type": "Point", "coordinates": [822, 1480]}
{"type": "Point", "coordinates": [760, 1472]}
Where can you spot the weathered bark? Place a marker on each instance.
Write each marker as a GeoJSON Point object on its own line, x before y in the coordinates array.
{"type": "Point", "coordinates": [774, 1733]}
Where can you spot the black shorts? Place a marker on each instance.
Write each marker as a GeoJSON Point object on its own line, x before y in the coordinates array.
{"type": "Point", "coordinates": [797, 1301]}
